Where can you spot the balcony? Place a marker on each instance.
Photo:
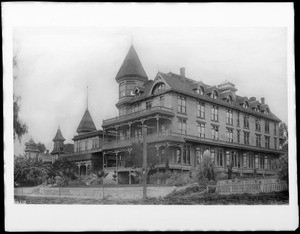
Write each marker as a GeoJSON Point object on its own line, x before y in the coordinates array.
{"type": "Point", "coordinates": [138, 114]}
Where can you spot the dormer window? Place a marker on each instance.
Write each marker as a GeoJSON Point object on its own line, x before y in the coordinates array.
{"type": "Point", "coordinates": [158, 87]}
{"type": "Point", "coordinates": [200, 90]}
{"type": "Point", "coordinates": [137, 92]}
{"type": "Point", "coordinates": [267, 111]}
{"type": "Point", "coordinates": [246, 105]}
{"type": "Point", "coordinates": [214, 94]}
{"type": "Point", "coordinates": [229, 99]}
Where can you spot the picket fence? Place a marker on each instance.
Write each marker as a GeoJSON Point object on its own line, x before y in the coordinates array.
{"type": "Point", "coordinates": [249, 187]}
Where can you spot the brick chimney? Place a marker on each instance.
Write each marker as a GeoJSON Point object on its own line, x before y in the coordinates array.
{"type": "Point", "coordinates": [47, 151]}
{"type": "Point", "coordinates": [182, 71]}
{"type": "Point", "coordinates": [262, 100]}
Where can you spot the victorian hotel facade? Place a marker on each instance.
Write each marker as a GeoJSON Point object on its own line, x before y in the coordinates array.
{"type": "Point", "coordinates": [185, 119]}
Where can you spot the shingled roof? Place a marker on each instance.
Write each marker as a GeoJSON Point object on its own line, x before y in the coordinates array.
{"type": "Point", "coordinates": [132, 67]}
{"type": "Point", "coordinates": [59, 136]}
{"type": "Point", "coordinates": [86, 123]}
{"type": "Point", "coordinates": [183, 85]}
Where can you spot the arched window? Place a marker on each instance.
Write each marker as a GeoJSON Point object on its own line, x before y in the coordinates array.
{"type": "Point", "coordinates": [158, 87]}
{"type": "Point", "coordinates": [200, 90]}
{"type": "Point", "coordinates": [229, 99]}
{"type": "Point", "coordinates": [214, 94]}
{"type": "Point", "coordinates": [246, 105]}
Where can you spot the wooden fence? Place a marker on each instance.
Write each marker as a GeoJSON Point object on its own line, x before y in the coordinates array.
{"type": "Point", "coordinates": [254, 187]}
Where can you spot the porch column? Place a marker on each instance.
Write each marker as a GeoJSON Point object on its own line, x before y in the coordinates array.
{"type": "Point", "coordinates": [167, 155]}
{"type": "Point", "coordinates": [157, 124]}
{"type": "Point", "coordinates": [117, 152]}
{"type": "Point", "coordinates": [103, 155]}
{"type": "Point", "coordinates": [181, 157]}
{"type": "Point", "coordinates": [86, 168]}
{"type": "Point", "coordinates": [116, 133]}
{"type": "Point", "coordinates": [129, 125]}
{"type": "Point", "coordinates": [78, 165]}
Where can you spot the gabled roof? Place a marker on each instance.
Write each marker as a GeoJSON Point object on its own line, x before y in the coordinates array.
{"type": "Point", "coordinates": [132, 66]}
{"type": "Point", "coordinates": [59, 136]}
{"type": "Point", "coordinates": [86, 123]}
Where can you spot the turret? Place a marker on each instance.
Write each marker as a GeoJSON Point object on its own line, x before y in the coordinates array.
{"type": "Point", "coordinates": [130, 75]}
{"type": "Point", "coordinates": [58, 142]}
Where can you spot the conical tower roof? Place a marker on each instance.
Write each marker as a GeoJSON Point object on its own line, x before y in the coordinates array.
{"type": "Point", "coordinates": [86, 123]}
{"type": "Point", "coordinates": [132, 67]}
{"type": "Point", "coordinates": [59, 136]}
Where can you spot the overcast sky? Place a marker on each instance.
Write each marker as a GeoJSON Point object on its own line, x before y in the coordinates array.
{"type": "Point", "coordinates": [56, 64]}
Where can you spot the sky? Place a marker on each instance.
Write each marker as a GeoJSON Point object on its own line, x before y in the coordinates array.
{"type": "Point", "coordinates": [57, 64]}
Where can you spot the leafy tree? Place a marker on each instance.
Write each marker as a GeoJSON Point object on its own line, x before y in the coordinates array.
{"type": "Point", "coordinates": [41, 147]}
{"type": "Point", "coordinates": [64, 169]}
{"type": "Point", "coordinates": [206, 169]}
{"type": "Point", "coordinates": [135, 158]}
{"type": "Point", "coordinates": [281, 166]}
{"type": "Point", "coordinates": [29, 171]}
{"type": "Point", "coordinates": [20, 128]}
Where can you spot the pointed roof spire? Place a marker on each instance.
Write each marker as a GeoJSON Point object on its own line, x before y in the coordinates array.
{"type": "Point", "coordinates": [87, 97]}
{"type": "Point", "coordinates": [58, 136]}
{"type": "Point", "coordinates": [132, 67]}
{"type": "Point", "coordinates": [86, 124]}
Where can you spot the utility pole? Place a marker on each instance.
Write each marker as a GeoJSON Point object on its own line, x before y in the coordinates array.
{"type": "Point", "coordinates": [144, 167]}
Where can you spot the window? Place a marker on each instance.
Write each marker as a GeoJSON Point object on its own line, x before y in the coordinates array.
{"type": "Point", "coordinates": [138, 132]}
{"type": "Point", "coordinates": [181, 104]}
{"type": "Point", "coordinates": [246, 121]}
{"type": "Point", "coordinates": [246, 138]}
{"type": "Point", "coordinates": [214, 113]}
{"type": "Point", "coordinates": [235, 159]}
{"type": "Point", "coordinates": [162, 101]}
{"type": "Point", "coordinates": [275, 130]}
{"type": "Point", "coordinates": [199, 155]}
{"type": "Point", "coordinates": [217, 155]}
{"type": "Point", "coordinates": [187, 154]}
{"type": "Point", "coordinates": [229, 99]}
{"type": "Point", "coordinates": [238, 120]}
{"type": "Point", "coordinates": [267, 142]}
{"type": "Point", "coordinates": [257, 125]}
{"type": "Point", "coordinates": [200, 90]}
{"type": "Point", "coordinates": [249, 161]}
{"type": "Point", "coordinates": [215, 132]}
{"type": "Point", "coordinates": [229, 135]}
{"type": "Point", "coordinates": [158, 87]}
{"type": "Point", "coordinates": [201, 130]}
{"type": "Point", "coordinates": [148, 105]}
{"type": "Point", "coordinates": [246, 105]}
{"type": "Point", "coordinates": [258, 140]}
{"type": "Point", "coordinates": [267, 127]}
{"type": "Point", "coordinates": [86, 145]}
{"type": "Point", "coordinates": [238, 136]}
{"type": "Point", "coordinates": [122, 89]}
{"type": "Point", "coordinates": [182, 126]}
{"type": "Point", "coordinates": [214, 94]}
{"type": "Point", "coordinates": [229, 117]}
{"type": "Point", "coordinates": [94, 142]}
{"type": "Point", "coordinates": [200, 110]}
{"type": "Point", "coordinates": [275, 142]}
{"type": "Point", "coordinates": [178, 156]}
{"type": "Point", "coordinates": [261, 162]}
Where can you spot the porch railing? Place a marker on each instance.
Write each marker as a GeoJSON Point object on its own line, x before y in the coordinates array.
{"type": "Point", "coordinates": [137, 113]}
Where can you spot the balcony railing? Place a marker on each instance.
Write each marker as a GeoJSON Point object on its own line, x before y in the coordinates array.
{"type": "Point", "coordinates": [155, 137]}
{"type": "Point", "coordinates": [137, 114]}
